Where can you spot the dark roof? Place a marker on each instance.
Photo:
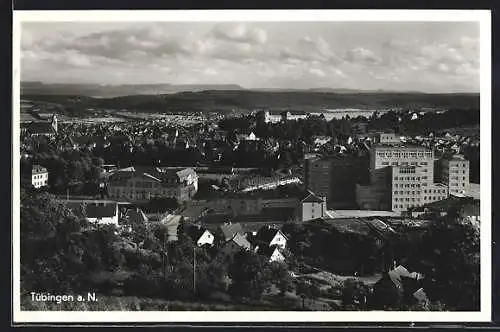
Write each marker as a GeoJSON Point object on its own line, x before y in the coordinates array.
{"type": "Point", "coordinates": [230, 230]}
{"type": "Point", "coordinates": [41, 128]}
{"type": "Point", "coordinates": [100, 211]}
{"type": "Point", "coordinates": [37, 169]}
{"type": "Point", "coordinates": [195, 232]}
{"type": "Point", "coordinates": [266, 234]}
{"type": "Point", "coordinates": [136, 216]}
{"type": "Point", "coordinates": [451, 201]}
{"type": "Point", "coordinates": [266, 250]}
{"type": "Point", "coordinates": [311, 197]}
{"type": "Point", "coordinates": [268, 215]}
{"type": "Point", "coordinates": [158, 173]}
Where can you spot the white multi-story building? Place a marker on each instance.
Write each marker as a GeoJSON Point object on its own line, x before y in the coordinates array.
{"type": "Point", "coordinates": [401, 177]}
{"type": "Point", "coordinates": [39, 176]}
{"type": "Point", "coordinates": [455, 174]}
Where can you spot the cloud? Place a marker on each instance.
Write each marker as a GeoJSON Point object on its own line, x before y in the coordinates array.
{"type": "Point", "coordinates": [317, 72]}
{"type": "Point", "coordinates": [239, 33]}
{"type": "Point", "coordinates": [308, 49]}
{"type": "Point", "coordinates": [360, 55]}
{"type": "Point", "coordinates": [249, 55]}
{"type": "Point", "coordinates": [454, 58]}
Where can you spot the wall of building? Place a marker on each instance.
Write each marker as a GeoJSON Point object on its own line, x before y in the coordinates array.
{"type": "Point", "coordinates": [141, 188]}
{"type": "Point", "coordinates": [40, 179]}
{"type": "Point", "coordinates": [334, 178]}
{"type": "Point", "coordinates": [455, 175]}
{"type": "Point", "coordinates": [311, 211]}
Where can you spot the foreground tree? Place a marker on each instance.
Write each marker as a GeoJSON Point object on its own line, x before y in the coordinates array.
{"type": "Point", "coordinates": [250, 275]}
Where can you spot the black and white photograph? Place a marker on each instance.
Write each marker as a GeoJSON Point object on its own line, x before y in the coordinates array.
{"type": "Point", "coordinates": [256, 165]}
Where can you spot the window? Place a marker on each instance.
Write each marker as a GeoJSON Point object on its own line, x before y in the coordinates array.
{"type": "Point", "coordinates": [395, 178]}
{"type": "Point", "coordinates": [396, 192]}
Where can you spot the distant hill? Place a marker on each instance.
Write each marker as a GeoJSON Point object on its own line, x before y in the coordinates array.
{"type": "Point", "coordinates": [111, 91]}
{"type": "Point", "coordinates": [244, 100]}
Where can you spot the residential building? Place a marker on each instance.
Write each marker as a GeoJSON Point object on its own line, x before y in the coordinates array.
{"type": "Point", "coordinates": [39, 176]}
{"type": "Point", "coordinates": [294, 115]}
{"type": "Point", "coordinates": [102, 213]}
{"type": "Point", "coordinates": [272, 253]}
{"type": "Point", "coordinates": [385, 138]}
{"type": "Point", "coordinates": [269, 116]}
{"type": "Point", "coordinates": [230, 230]}
{"type": "Point", "coordinates": [312, 207]}
{"type": "Point", "coordinates": [43, 128]}
{"type": "Point", "coordinates": [233, 245]}
{"type": "Point", "coordinates": [269, 237]}
{"type": "Point", "coordinates": [172, 222]}
{"type": "Point", "coordinates": [455, 174]}
{"type": "Point", "coordinates": [140, 185]}
{"type": "Point", "coordinates": [201, 236]}
{"type": "Point", "coordinates": [134, 217]}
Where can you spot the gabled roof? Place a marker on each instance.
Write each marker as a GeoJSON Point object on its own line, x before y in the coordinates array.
{"type": "Point", "coordinates": [241, 241]}
{"type": "Point", "coordinates": [266, 234]}
{"type": "Point", "coordinates": [184, 173]}
{"type": "Point", "coordinates": [136, 216]}
{"type": "Point", "coordinates": [311, 197]}
{"type": "Point", "coordinates": [267, 251]}
{"type": "Point", "coordinates": [230, 230]}
{"type": "Point", "coordinates": [37, 169]}
{"type": "Point", "coordinates": [41, 128]}
{"type": "Point", "coordinates": [403, 279]}
{"type": "Point", "coordinates": [195, 232]}
{"type": "Point", "coordinates": [101, 211]}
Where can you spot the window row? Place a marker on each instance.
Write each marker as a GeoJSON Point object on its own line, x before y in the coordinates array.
{"type": "Point", "coordinates": [406, 192]}
{"type": "Point", "coordinates": [407, 185]}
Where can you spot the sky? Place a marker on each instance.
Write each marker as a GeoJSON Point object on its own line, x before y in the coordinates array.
{"type": "Point", "coordinates": [403, 56]}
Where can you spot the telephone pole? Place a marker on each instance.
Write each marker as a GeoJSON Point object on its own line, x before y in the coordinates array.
{"type": "Point", "coordinates": [194, 271]}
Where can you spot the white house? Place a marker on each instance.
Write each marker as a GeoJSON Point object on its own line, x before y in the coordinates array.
{"type": "Point", "coordinates": [272, 253]}
{"type": "Point", "coordinates": [205, 238]}
{"type": "Point", "coordinates": [39, 176]}
{"type": "Point", "coordinates": [102, 213]}
{"type": "Point", "coordinates": [268, 236]}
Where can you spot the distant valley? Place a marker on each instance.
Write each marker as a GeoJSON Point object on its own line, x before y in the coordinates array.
{"type": "Point", "coordinates": [202, 98]}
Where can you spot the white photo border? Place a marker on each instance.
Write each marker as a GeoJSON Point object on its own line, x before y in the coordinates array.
{"type": "Point", "coordinates": [483, 17]}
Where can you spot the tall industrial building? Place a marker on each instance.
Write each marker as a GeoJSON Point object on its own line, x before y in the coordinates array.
{"type": "Point", "coordinates": [455, 174]}
{"type": "Point", "coordinates": [334, 177]}
{"type": "Point", "coordinates": [401, 177]}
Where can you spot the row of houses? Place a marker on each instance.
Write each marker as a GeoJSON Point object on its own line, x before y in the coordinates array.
{"type": "Point", "coordinates": [268, 241]}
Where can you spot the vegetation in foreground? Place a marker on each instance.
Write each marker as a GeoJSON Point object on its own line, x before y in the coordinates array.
{"type": "Point", "coordinates": [62, 254]}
